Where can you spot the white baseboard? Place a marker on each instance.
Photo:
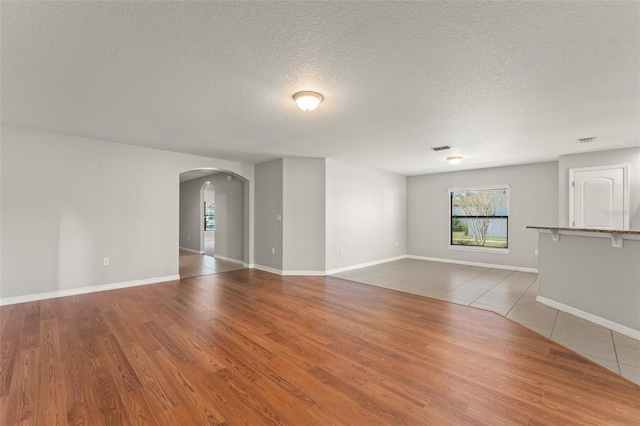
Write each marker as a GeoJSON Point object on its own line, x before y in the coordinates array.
{"type": "Point", "coordinates": [364, 265]}
{"type": "Point", "coordinates": [249, 265]}
{"type": "Point", "coordinates": [228, 259]}
{"type": "Point", "coordinates": [622, 329]}
{"type": "Point", "coordinates": [191, 250]}
{"type": "Point", "coordinates": [390, 259]}
{"type": "Point", "coordinates": [289, 272]}
{"type": "Point", "coordinates": [305, 273]}
{"type": "Point", "coordinates": [268, 269]}
{"type": "Point", "coordinates": [483, 265]}
{"type": "Point", "coordinates": [84, 290]}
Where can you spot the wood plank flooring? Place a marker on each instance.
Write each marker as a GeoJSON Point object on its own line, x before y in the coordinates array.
{"type": "Point", "coordinates": [249, 347]}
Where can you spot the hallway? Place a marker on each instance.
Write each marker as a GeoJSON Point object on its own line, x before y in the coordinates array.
{"type": "Point", "coordinates": [194, 265]}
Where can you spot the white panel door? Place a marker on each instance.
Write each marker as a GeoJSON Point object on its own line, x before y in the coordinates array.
{"type": "Point", "coordinates": [598, 198]}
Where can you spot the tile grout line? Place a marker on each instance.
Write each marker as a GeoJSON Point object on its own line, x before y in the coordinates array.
{"type": "Point", "coordinates": [615, 351]}
{"type": "Point", "coordinates": [520, 298]}
{"type": "Point", "coordinates": [488, 290]}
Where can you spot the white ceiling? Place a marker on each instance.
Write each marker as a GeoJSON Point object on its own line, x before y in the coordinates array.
{"type": "Point", "coordinates": [501, 82]}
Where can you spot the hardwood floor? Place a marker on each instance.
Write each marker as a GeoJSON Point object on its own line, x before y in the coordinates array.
{"type": "Point", "coordinates": [512, 294]}
{"type": "Point", "coordinates": [249, 347]}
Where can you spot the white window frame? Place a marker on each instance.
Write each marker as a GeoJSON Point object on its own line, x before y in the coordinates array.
{"type": "Point", "coordinates": [478, 248]}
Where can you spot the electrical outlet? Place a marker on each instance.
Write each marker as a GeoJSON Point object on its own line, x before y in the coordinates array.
{"type": "Point", "coordinates": [535, 252]}
{"type": "Point", "coordinates": [279, 217]}
{"type": "Point", "coordinates": [105, 261]}
{"type": "Point", "coordinates": [397, 243]}
{"type": "Point", "coordinates": [273, 250]}
{"type": "Point", "coordinates": [342, 251]}
{"type": "Point", "coordinates": [188, 237]}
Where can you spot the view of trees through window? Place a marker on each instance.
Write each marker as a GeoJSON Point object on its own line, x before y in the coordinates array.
{"type": "Point", "coordinates": [209, 216]}
{"type": "Point", "coordinates": [480, 217]}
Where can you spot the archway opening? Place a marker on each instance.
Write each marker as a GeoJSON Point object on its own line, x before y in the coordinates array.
{"type": "Point", "coordinates": [213, 222]}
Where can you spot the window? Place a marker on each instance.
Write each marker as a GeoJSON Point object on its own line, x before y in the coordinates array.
{"type": "Point", "coordinates": [480, 217]}
{"type": "Point", "coordinates": [209, 216]}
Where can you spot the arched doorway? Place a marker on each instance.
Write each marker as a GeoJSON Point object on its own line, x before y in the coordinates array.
{"type": "Point", "coordinates": [213, 222]}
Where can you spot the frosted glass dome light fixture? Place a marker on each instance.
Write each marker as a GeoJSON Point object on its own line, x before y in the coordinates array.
{"type": "Point", "coordinates": [454, 160]}
{"type": "Point", "coordinates": [308, 101]}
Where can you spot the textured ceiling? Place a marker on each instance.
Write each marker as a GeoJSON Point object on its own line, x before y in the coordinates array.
{"type": "Point", "coordinates": [501, 82]}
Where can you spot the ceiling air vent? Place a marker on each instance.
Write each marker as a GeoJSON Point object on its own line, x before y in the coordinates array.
{"type": "Point", "coordinates": [586, 140]}
{"type": "Point", "coordinates": [441, 148]}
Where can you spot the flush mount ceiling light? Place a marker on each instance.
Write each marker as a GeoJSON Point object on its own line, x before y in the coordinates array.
{"type": "Point", "coordinates": [454, 160]}
{"type": "Point", "coordinates": [308, 101]}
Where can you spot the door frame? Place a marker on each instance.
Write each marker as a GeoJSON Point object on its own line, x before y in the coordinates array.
{"type": "Point", "coordinates": [207, 186]}
{"type": "Point", "coordinates": [625, 191]}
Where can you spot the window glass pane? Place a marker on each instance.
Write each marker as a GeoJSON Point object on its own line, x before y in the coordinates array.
{"type": "Point", "coordinates": [209, 223]}
{"type": "Point", "coordinates": [480, 217]}
{"type": "Point", "coordinates": [480, 202]}
{"type": "Point", "coordinates": [209, 216]}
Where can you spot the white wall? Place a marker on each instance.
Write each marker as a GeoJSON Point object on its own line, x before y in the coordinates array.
{"type": "Point", "coordinates": [229, 205]}
{"type": "Point", "coordinates": [629, 156]}
{"type": "Point", "coordinates": [326, 206]}
{"type": "Point", "coordinates": [229, 202]}
{"type": "Point", "coordinates": [1, 136]}
{"type": "Point", "coordinates": [584, 273]}
{"type": "Point", "coordinates": [268, 204]}
{"type": "Point", "coordinates": [190, 215]}
{"type": "Point", "coordinates": [103, 199]}
{"type": "Point", "coordinates": [304, 214]}
{"type": "Point", "coordinates": [533, 200]}
{"type": "Point", "coordinates": [99, 199]}
{"type": "Point", "coordinates": [366, 215]}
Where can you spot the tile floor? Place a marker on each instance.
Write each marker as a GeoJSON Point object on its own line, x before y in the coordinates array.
{"type": "Point", "coordinates": [509, 293]}
{"type": "Point", "coordinates": [209, 247]}
{"type": "Point", "coordinates": [193, 265]}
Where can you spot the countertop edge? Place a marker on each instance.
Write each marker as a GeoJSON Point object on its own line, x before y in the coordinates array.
{"type": "Point", "coordinates": [598, 231]}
